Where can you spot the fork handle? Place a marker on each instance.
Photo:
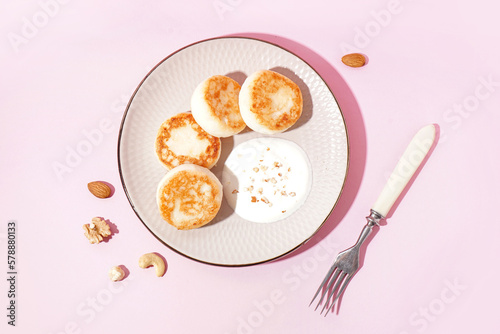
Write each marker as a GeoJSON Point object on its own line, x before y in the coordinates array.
{"type": "Point", "coordinates": [405, 169]}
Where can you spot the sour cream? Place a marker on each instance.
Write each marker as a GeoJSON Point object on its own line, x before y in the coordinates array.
{"type": "Point", "coordinates": [266, 179]}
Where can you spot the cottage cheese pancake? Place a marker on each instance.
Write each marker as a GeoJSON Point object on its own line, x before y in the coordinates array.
{"type": "Point", "coordinates": [270, 102]}
{"type": "Point", "coordinates": [181, 140]}
{"type": "Point", "coordinates": [214, 105]}
{"type": "Point", "coordinates": [266, 179]}
{"type": "Point", "coordinates": [189, 196]}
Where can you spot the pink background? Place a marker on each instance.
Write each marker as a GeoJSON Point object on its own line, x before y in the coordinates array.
{"type": "Point", "coordinates": [69, 67]}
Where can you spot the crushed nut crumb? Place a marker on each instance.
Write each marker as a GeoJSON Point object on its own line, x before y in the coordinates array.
{"type": "Point", "coordinates": [283, 193]}
{"type": "Point", "coordinates": [260, 190]}
{"type": "Point", "coordinates": [264, 199]}
{"type": "Point", "coordinates": [264, 168]}
{"type": "Point", "coordinates": [273, 180]}
{"type": "Point", "coordinates": [254, 199]}
{"type": "Point", "coordinates": [256, 169]}
{"type": "Point", "coordinates": [235, 191]}
{"type": "Point", "coordinates": [292, 194]}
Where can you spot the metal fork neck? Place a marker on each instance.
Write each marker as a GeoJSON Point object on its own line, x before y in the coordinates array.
{"type": "Point", "coordinates": [372, 220]}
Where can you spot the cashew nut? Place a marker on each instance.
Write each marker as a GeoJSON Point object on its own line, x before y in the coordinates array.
{"type": "Point", "coordinates": [116, 273]}
{"type": "Point", "coordinates": [151, 259]}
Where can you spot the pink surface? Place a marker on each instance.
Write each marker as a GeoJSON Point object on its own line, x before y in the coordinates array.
{"type": "Point", "coordinates": [68, 69]}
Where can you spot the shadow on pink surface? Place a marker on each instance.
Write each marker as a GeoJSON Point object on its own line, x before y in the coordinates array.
{"type": "Point", "coordinates": [164, 261]}
{"type": "Point", "coordinates": [125, 270]}
{"type": "Point", "coordinates": [113, 229]}
{"type": "Point", "coordinates": [355, 130]}
{"type": "Point", "coordinates": [111, 187]}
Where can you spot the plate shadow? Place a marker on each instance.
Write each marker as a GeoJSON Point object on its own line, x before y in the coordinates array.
{"type": "Point", "coordinates": [355, 128]}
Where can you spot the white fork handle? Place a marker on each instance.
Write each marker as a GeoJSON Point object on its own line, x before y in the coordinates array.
{"type": "Point", "coordinates": [405, 169]}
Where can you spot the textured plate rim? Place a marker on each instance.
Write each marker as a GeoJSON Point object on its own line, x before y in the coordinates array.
{"type": "Point", "coordinates": [120, 133]}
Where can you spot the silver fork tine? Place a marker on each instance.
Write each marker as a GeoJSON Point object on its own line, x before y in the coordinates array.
{"type": "Point", "coordinates": [344, 285]}
{"type": "Point", "coordinates": [344, 267]}
{"type": "Point", "coordinates": [331, 293]}
{"type": "Point", "coordinates": [332, 280]}
{"type": "Point", "coordinates": [322, 285]}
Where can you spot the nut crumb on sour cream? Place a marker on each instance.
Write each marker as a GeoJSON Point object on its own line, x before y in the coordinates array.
{"type": "Point", "coordinates": [267, 179]}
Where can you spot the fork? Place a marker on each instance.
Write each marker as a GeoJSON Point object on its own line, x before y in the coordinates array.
{"type": "Point", "coordinates": [347, 262]}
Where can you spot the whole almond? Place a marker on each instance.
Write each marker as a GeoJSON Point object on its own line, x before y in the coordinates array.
{"type": "Point", "coordinates": [354, 60]}
{"type": "Point", "coordinates": [99, 189]}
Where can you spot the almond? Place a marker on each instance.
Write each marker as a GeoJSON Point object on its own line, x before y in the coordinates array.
{"type": "Point", "coordinates": [354, 60]}
{"type": "Point", "coordinates": [99, 189]}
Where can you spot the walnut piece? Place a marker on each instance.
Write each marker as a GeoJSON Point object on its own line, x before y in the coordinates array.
{"type": "Point", "coordinates": [96, 230]}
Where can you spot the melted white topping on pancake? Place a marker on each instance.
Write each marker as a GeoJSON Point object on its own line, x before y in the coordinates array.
{"type": "Point", "coordinates": [181, 140]}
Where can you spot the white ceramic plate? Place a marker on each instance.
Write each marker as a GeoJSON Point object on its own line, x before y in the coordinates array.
{"type": "Point", "coordinates": [320, 132]}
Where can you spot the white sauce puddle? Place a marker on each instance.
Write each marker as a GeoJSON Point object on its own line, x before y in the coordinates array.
{"type": "Point", "coordinates": [266, 179]}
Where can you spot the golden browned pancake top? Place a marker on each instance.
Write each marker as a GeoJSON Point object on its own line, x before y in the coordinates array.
{"type": "Point", "coordinates": [170, 159]}
{"type": "Point", "coordinates": [221, 95]}
{"type": "Point", "coordinates": [267, 84]}
{"type": "Point", "coordinates": [193, 196]}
